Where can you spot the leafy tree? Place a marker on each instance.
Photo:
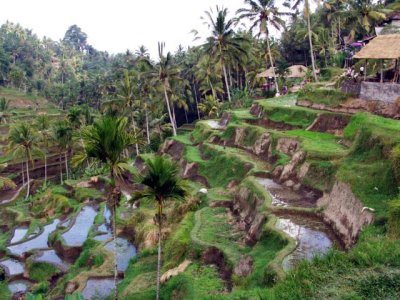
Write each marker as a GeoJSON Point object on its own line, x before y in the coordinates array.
{"type": "Point", "coordinates": [23, 143]}
{"type": "Point", "coordinates": [75, 38]}
{"type": "Point", "coordinates": [162, 183]}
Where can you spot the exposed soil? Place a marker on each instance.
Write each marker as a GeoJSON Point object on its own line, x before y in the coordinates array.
{"type": "Point", "coordinates": [213, 256]}
{"type": "Point", "coordinates": [330, 123]}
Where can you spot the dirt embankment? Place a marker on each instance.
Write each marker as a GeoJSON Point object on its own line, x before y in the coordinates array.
{"type": "Point", "coordinates": [189, 171]}
{"type": "Point", "coordinates": [345, 213]}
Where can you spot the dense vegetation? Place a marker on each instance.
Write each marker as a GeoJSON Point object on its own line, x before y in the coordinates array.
{"type": "Point", "coordinates": [81, 128]}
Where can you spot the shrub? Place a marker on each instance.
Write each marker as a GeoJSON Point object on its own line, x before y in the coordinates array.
{"type": "Point", "coordinates": [394, 218]}
{"type": "Point", "coordinates": [395, 160]}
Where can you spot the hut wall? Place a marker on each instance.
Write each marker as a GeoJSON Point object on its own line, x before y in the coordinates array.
{"type": "Point", "coordinates": [386, 92]}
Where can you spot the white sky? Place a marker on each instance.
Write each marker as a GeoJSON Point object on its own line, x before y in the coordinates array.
{"type": "Point", "coordinates": [116, 25]}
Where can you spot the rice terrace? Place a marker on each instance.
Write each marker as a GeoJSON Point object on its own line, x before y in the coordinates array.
{"type": "Point", "coordinates": [259, 161]}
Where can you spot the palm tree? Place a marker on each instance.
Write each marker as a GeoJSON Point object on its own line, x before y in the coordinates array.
{"type": "Point", "coordinates": [126, 93]}
{"type": "Point", "coordinates": [166, 70]}
{"type": "Point", "coordinates": [43, 127]}
{"type": "Point", "coordinates": [105, 141]}
{"type": "Point", "coordinates": [263, 13]}
{"type": "Point", "coordinates": [4, 104]}
{"type": "Point", "coordinates": [307, 14]}
{"type": "Point", "coordinates": [162, 183]}
{"type": "Point", "coordinates": [223, 43]}
{"type": "Point", "coordinates": [210, 107]}
{"type": "Point", "coordinates": [62, 135]}
{"type": "Point", "coordinates": [23, 142]}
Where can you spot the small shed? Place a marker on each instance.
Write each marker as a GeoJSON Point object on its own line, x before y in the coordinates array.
{"type": "Point", "coordinates": [267, 73]}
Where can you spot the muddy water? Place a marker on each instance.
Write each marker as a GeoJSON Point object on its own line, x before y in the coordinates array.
{"type": "Point", "coordinates": [19, 234]}
{"type": "Point", "coordinates": [125, 251]}
{"type": "Point", "coordinates": [12, 267]}
{"type": "Point", "coordinates": [283, 196]}
{"type": "Point", "coordinates": [40, 242]}
{"type": "Point", "coordinates": [312, 235]}
{"type": "Point", "coordinates": [77, 235]}
{"type": "Point", "coordinates": [98, 288]}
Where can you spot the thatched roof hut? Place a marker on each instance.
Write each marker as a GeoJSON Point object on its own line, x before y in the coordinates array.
{"type": "Point", "coordinates": [381, 47]}
{"type": "Point", "coordinates": [296, 71]}
{"type": "Point", "coordinates": [267, 73]}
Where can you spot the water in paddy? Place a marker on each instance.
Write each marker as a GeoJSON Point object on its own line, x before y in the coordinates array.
{"type": "Point", "coordinates": [98, 288]}
{"type": "Point", "coordinates": [283, 196]}
{"type": "Point", "coordinates": [125, 251]}
{"type": "Point", "coordinates": [19, 234]}
{"type": "Point", "coordinates": [50, 256]}
{"type": "Point", "coordinates": [105, 229]}
{"type": "Point", "coordinates": [39, 242]}
{"type": "Point", "coordinates": [12, 267]}
{"type": "Point", "coordinates": [19, 286]}
{"type": "Point", "coordinates": [313, 238]}
{"type": "Point", "coordinates": [77, 235]}
{"type": "Point", "coordinates": [214, 124]}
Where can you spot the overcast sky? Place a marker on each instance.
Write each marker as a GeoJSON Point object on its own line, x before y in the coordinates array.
{"type": "Point", "coordinates": [116, 25]}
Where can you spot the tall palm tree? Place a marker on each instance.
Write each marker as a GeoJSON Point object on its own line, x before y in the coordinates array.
{"type": "Point", "coordinates": [307, 15]}
{"type": "Point", "coordinates": [166, 70]}
{"type": "Point", "coordinates": [23, 142]}
{"type": "Point", "coordinates": [43, 127]}
{"type": "Point", "coordinates": [62, 135]}
{"type": "Point", "coordinates": [105, 141]}
{"type": "Point", "coordinates": [126, 93]}
{"type": "Point", "coordinates": [162, 183]}
{"type": "Point", "coordinates": [223, 42]}
{"type": "Point", "coordinates": [263, 13]}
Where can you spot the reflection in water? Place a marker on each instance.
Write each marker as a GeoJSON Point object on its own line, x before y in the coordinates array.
{"type": "Point", "coordinates": [312, 238]}
{"type": "Point", "coordinates": [13, 267]}
{"type": "Point", "coordinates": [78, 233]}
{"type": "Point", "coordinates": [98, 288]}
{"type": "Point", "coordinates": [18, 286]}
{"type": "Point", "coordinates": [19, 234]}
{"type": "Point", "coordinates": [125, 251]}
{"type": "Point", "coordinates": [50, 256]}
{"type": "Point", "coordinates": [39, 242]}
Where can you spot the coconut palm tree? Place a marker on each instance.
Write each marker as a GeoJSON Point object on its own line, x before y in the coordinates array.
{"type": "Point", "coordinates": [23, 142]}
{"type": "Point", "coordinates": [43, 127]}
{"type": "Point", "coordinates": [263, 13]}
{"type": "Point", "coordinates": [162, 183]}
{"type": "Point", "coordinates": [62, 135]}
{"type": "Point", "coordinates": [223, 42]}
{"type": "Point", "coordinates": [166, 70]}
{"type": "Point", "coordinates": [105, 141]}
{"type": "Point", "coordinates": [307, 15]}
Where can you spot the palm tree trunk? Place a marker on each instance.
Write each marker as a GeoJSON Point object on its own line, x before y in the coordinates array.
{"type": "Point", "coordinates": [23, 173]}
{"type": "Point", "coordinates": [169, 111]}
{"type": "Point", "coordinates": [159, 249]}
{"type": "Point", "coordinates": [66, 164]}
{"type": "Point", "coordinates": [272, 65]}
{"type": "Point", "coordinates": [115, 251]}
{"type": "Point", "coordinates": [61, 172]}
{"type": "Point", "coordinates": [27, 179]}
{"type": "Point", "coordinates": [147, 127]}
{"type": "Point", "coordinates": [310, 41]}
{"type": "Point", "coordinates": [173, 114]}
{"type": "Point", "coordinates": [134, 132]}
{"type": "Point", "coordinates": [45, 168]}
{"type": "Point", "coordinates": [226, 82]}
{"type": "Point", "coordinates": [197, 103]}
